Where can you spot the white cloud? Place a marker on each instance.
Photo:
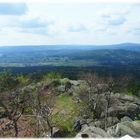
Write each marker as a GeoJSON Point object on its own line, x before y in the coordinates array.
{"type": "Point", "coordinates": [77, 28]}
{"type": "Point", "coordinates": [72, 24]}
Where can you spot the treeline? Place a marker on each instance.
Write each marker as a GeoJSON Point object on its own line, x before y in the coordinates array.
{"type": "Point", "coordinates": [72, 72]}
{"type": "Point", "coordinates": [9, 80]}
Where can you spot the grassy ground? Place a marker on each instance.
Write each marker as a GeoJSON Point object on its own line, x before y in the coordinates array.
{"type": "Point", "coordinates": [65, 110]}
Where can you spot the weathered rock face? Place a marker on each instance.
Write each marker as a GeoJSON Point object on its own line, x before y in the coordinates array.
{"type": "Point", "coordinates": [126, 118]}
{"type": "Point", "coordinates": [67, 85]}
{"type": "Point", "coordinates": [122, 113]}
{"type": "Point", "coordinates": [61, 88]}
{"type": "Point", "coordinates": [75, 83]}
{"type": "Point", "coordinates": [101, 123]}
{"type": "Point", "coordinates": [93, 132]}
{"type": "Point", "coordinates": [131, 128]}
{"type": "Point", "coordinates": [122, 105]}
{"type": "Point", "coordinates": [76, 124]}
{"type": "Point", "coordinates": [126, 127]}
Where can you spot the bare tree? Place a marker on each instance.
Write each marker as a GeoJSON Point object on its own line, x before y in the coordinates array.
{"type": "Point", "coordinates": [99, 94]}
{"type": "Point", "coordinates": [109, 89]}
{"type": "Point", "coordinates": [95, 85]}
{"type": "Point", "coordinates": [113, 85]}
{"type": "Point", "coordinates": [42, 108]}
{"type": "Point", "coordinates": [13, 105]}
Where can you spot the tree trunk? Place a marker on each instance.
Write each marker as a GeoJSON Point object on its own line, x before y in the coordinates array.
{"type": "Point", "coordinates": [50, 127]}
{"type": "Point", "coordinates": [16, 128]}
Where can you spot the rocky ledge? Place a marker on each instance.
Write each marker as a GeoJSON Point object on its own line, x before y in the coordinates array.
{"type": "Point", "coordinates": [123, 119]}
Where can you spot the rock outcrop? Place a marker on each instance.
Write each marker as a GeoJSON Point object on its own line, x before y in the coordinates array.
{"type": "Point", "coordinates": [91, 131]}
{"type": "Point", "coordinates": [122, 118]}
{"type": "Point", "coordinates": [131, 128]}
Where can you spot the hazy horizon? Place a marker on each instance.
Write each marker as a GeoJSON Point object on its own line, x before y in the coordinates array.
{"type": "Point", "coordinates": [123, 43]}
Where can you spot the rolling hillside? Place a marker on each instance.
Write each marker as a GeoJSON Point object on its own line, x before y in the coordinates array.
{"type": "Point", "coordinates": [70, 55]}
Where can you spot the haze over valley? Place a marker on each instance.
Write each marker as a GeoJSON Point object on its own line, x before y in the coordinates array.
{"type": "Point", "coordinates": [70, 55]}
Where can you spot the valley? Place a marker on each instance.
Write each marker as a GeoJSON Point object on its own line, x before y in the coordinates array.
{"type": "Point", "coordinates": [22, 56]}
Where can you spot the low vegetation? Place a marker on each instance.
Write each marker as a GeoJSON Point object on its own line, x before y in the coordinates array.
{"type": "Point", "coordinates": [55, 106]}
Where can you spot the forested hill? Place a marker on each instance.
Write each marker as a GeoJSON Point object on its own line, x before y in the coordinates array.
{"type": "Point", "coordinates": [69, 55]}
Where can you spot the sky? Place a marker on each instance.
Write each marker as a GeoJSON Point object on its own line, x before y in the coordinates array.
{"type": "Point", "coordinates": [29, 23]}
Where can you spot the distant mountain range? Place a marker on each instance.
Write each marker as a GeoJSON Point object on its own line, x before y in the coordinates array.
{"type": "Point", "coordinates": [126, 46]}
{"type": "Point", "coordinates": [70, 55]}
